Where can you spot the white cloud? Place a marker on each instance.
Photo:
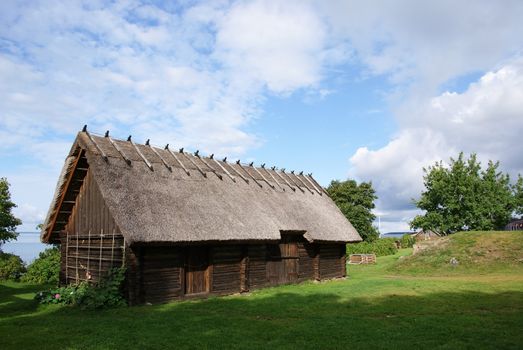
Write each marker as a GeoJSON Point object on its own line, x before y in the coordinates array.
{"type": "Point", "coordinates": [486, 119]}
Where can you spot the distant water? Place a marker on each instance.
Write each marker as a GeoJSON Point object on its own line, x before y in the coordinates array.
{"type": "Point", "coordinates": [27, 246]}
{"type": "Point", "coordinates": [394, 234]}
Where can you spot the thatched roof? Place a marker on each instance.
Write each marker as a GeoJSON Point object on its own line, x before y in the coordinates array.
{"type": "Point", "coordinates": [154, 199]}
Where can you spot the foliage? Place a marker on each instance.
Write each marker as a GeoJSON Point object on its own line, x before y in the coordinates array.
{"type": "Point", "coordinates": [106, 294]}
{"type": "Point", "coordinates": [407, 241]}
{"type": "Point", "coordinates": [45, 268]}
{"type": "Point", "coordinates": [380, 247]}
{"type": "Point", "coordinates": [462, 197]}
{"type": "Point", "coordinates": [356, 203]}
{"type": "Point", "coordinates": [11, 267]}
{"type": "Point", "coordinates": [8, 221]}
{"type": "Point", "coordinates": [518, 194]}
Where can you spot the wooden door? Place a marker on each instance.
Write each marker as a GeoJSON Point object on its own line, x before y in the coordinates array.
{"type": "Point", "coordinates": [197, 270]}
{"type": "Point", "coordinates": [282, 263]}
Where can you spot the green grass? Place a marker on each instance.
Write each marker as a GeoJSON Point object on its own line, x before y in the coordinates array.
{"type": "Point", "coordinates": [374, 309]}
{"type": "Point", "coordinates": [477, 253]}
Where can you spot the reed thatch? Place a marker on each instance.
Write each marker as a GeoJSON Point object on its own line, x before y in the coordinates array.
{"type": "Point", "coordinates": [162, 203]}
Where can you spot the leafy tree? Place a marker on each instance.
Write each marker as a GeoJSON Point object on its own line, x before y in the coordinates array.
{"type": "Point", "coordinates": [465, 197]}
{"type": "Point", "coordinates": [45, 268]}
{"type": "Point", "coordinates": [8, 221]}
{"type": "Point", "coordinates": [356, 203]}
{"type": "Point", "coordinates": [518, 192]}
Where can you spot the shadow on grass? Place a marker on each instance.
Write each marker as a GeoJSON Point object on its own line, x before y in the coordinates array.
{"type": "Point", "coordinates": [17, 299]}
{"type": "Point", "coordinates": [282, 320]}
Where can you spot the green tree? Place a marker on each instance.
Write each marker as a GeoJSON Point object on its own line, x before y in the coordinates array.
{"type": "Point", "coordinates": [8, 221]}
{"type": "Point", "coordinates": [465, 197]}
{"type": "Point", "coordinates": [356, 203]}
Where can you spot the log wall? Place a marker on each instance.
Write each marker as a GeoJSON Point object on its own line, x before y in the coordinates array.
{"type": "Point", "coordinates": [226, 266]}
{"type": "Point", "coordinates": [332, 260]}
{"type": "Point", "coordinates": [232, 269]}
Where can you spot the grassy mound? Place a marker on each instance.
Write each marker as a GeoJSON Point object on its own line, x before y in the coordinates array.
{"type": "Point", "coordinates": [475, 252]}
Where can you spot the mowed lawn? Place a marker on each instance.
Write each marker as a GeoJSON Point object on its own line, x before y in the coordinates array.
{"type": "Point", "coordinates": [371, 309]}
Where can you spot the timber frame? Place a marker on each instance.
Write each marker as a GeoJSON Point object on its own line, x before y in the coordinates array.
{"type": "Point", "coordinates": [160, 215]}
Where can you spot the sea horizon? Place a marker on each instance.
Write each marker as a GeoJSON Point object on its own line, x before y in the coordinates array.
{"type": "Point", "coordinates": [27, 246]}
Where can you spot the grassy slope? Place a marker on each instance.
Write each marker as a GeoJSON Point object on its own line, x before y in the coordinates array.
{"type": "Point", "coordinates": [372, 309]}
{"type": "Point", "coordinates": [476, 252]}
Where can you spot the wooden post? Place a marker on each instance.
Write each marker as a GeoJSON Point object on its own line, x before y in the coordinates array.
{"type": "Point", "coordinates": [244, 270]}
{"type": "Point", "coordinates": [77, 277]}
{"type": "Point", "coordinates": [100, 256]}
{"type": "Point", "coordinates": [316, 262]}
{"type": "Point", "coordinates": [112, 252]}
{"type": "Point", "coordinates": [66, 258]}
{"type": "Point", "coordinates": [88, 255]}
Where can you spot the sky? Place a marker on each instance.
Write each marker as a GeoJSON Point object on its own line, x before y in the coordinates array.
{"type": "Point", "coordinates": [370, 90]}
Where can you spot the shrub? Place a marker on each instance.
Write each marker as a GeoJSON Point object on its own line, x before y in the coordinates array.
{"type": "Point", "coordinates": [107, 293]}
{"type": "Point", "coordinates": [380, 247]}
{"type": "Point", "coordinates": [11, 267]}
{"type": "Point", "coordinates": [407, 241]}
{"type": "Point", "coordinates": [45, 269]}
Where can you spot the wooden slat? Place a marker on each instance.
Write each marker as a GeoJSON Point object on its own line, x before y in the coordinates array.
{"type": "Point", "coordinates": [176, 159]}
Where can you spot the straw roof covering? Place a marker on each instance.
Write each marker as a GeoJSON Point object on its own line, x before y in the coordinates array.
{"type": "Point", "coordinates": [153, 199]}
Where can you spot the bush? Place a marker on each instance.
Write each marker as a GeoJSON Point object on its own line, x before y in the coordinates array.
{"type": "Point", "coordinates": [11, 267]}
{"type": "Point", "coordinates": [407, 241]}
{"type": "Point", "coordinates": [107, 293]}
{"type": "Point", "coordinates": [45, 269]}
{"type": "Point", "coordinates": [380, 247]}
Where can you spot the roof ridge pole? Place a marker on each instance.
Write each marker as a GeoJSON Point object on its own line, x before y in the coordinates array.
{"type": "Point", "coordinates": [159, 156]}
{"type": "Point", "coordinates": [263, 177]}
{"type": "Point", "coordinates": [149, 165]}
{"type": "Point", "coordinates": [176, 158]}
{"type": "Point", "coordinates": [284, 179]}
{"type": "Point", "coordinates": [210, 167]}
{"type": "Point", "coordinates": [303, 183]}
{"type": "Point", "coordinates": [223, 168]}
{"type": "Point", "coordinates": [312, 184]}
{"type": "Point", "coordinates": [252, 177]}
{"type": "Point", "coordinates": [194, 163]}
{"type": "Point", "coordinates": [127, 160]}
{"type": "Point", "coordinates": [237, 172]}
{"type": "Point", "coordinates": [104, 156]}
{"type": "Point", "coordinates": [272, 176]}
{"type": "Point", "coordinates": [294, 183]}
{"type": "Point", "coordinates": [317, 184]}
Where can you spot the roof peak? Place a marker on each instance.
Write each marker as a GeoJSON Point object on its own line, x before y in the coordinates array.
{"type": "Point", "coordinates": [202, 164]}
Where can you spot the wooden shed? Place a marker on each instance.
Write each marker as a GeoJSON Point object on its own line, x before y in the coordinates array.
{"type": "Point", "coordinates": [185, 225]}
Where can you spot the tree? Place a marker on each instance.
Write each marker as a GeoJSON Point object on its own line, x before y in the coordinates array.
{"type": "Point", "coordinates": [465, 197]}
{"type": "Point", "coordinates": [356, 203]}
{"type": "Point", "coordinates": [8, 221]}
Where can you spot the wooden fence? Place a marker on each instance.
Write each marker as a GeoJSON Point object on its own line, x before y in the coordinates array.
{"type": "Point", "coordinates": [358, 259]}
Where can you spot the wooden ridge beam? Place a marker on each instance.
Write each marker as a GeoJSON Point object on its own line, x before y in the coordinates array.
{"type": "Point", "coordinates": [170, 168]}
{"type": "Point", "coordinates": [145, 160]}
{"type": "Point", "coordinates": [176, 159]}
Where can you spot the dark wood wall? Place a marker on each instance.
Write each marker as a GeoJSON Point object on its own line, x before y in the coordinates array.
{"type": "Point", "coordinates": [91, 242]}
{"type": "Point", "coordinates": [164, 273]}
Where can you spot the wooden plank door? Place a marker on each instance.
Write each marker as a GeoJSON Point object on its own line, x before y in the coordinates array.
{"type": "Point", "coordinates": [282, 263]}
{"type": "Point", "coordinates": [197, 270]}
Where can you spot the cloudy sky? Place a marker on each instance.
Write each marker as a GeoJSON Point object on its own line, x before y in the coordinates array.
{"type": "Point", "coordinates": [373, 90]}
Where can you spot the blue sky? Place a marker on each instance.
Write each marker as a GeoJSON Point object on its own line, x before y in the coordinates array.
{"type": "Point", "coordinates": [364, 89]}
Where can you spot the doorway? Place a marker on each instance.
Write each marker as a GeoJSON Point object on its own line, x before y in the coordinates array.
{"type": "Point", "coordinates": [282, 264]}
{"type": "Point", "coordinates": [197, 279]}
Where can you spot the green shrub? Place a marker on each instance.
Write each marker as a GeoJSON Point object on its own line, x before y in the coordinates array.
{"type": "Point", "coordinates": [407, 241]}
{"type": "Point", "coordinates": [11, 267]}
{"type": "Point", "coordinates": [107, 293]}
{"type": "Point", "coordinates": [380, 247]}
{"type": "Point", "coordinates": [45, 268]}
